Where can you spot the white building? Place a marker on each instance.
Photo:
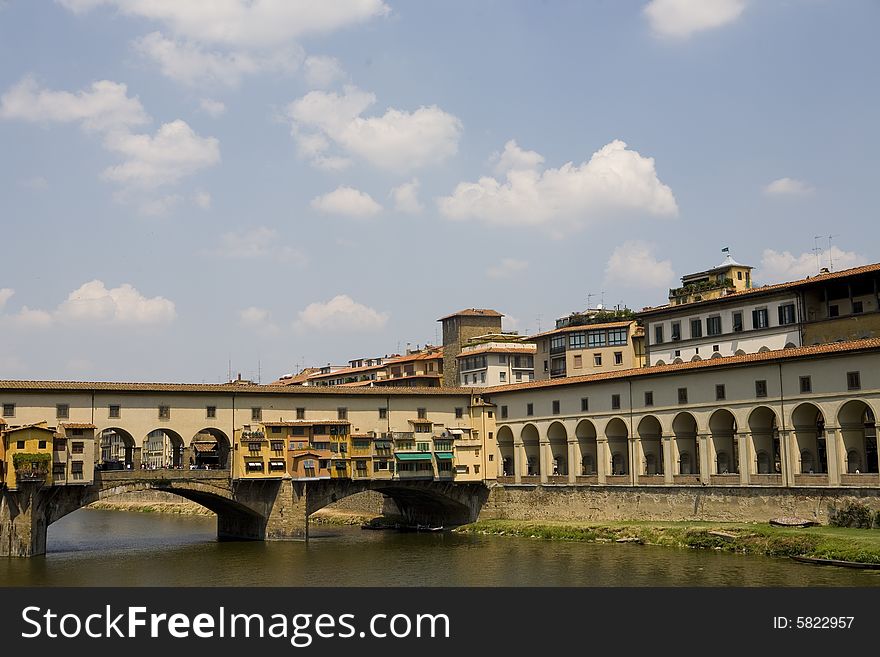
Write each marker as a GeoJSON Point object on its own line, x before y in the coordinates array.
{"type": "Point", "coordinates": [496, 363]}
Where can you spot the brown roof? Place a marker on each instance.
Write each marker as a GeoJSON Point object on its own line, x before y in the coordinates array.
{"type": "Point", "coordinates": [422, 355]}
{"type": "Point", "coordinates": [302, 423]}
{"type": "Point", "coordinates": [584, 327]}
{"type": "Point", "coordinates": [33, 425]}
{"type": "Point", "coordinates": [769, 289]}
{"type": "Point", "coordinates": [221, 388]}
{"type": "Point", "coordinates": [871, 344]}
{"type": "Point", "coordinates": [297, 378]}
{"type": "Point", "coordinates": [474, 312]}
{"type": "Point", "coordinates": [482, 349]}
{"type": "Point", "coordinates": [420, 420]}
{"type": "Point", "coordinates": [77, 425]}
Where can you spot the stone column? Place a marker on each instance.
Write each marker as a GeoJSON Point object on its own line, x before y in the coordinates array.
{"type": "Point", "coordinates": [519, 460]}
{"type": "Point", "coordinates": [602, 459]}
{"type": "Point", "coordinates": [185, 457]}
{"type": "Point", "coordinates": [744, 447]}
{"type": "Point", "coordinates": [635, 460]}
{"type": "Point", "coordinates": [574, 465]}
{"type": "Point", "coordinates": [545, 459]}
{"type": "Point", "coordinates": [22, 522]}
{"type": "Point", "coordinates": [788, 456]}
{"type": "Point", "coordinates": [705, 458]}
{"type": "Point", "coordinates": [136, 458]}
{"type": "Point", "coordinates": [668, 459]}
{"type": "Point", "coordinates": [832, 451]}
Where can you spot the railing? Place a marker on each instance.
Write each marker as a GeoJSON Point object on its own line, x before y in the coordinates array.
{"type": "Point", "coordinates": [557, 350]}
{"type": "Point", "coordinates": [557, 372]}
{"type": "Point", "coordinates": [730, 479]}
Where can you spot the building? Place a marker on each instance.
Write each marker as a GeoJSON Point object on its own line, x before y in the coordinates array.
{"type": "Point", "coordinates": [462, 326]}
{"type": "Point", "coordinates": [594, 341]}
{"type": "Point", "coordinates": [28, 455]}
{"type": "Point", "coordinates": [2, 453]}
{"type": "Point", "coordinates": [828, 307]}
{"type": "Point", "coordinates": [73, 454]}
{"type": "Point", "coordinates": [729, 277]}
{"type": "Point", "coordinates": [493, 360]}
{"type": "Point", "coordinates": [417, 368]}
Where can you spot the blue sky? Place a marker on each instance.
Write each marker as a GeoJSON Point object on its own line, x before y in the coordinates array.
{"type": "Point", "coordinates": [296, 183]}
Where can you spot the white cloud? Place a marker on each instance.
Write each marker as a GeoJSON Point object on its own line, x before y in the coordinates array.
{"type": "Point", "coordinates": [160, 206]}
{"type": "Point", "coordinates": [257, 243]}
{"type": "Point", "coordinates": [633, 264]}
{"type": "Point", "coordinates": [174, 152]}
{"type": "Point", "coordinates": [322, 71]}
{"type": "Point", "coordinates": [259, 320]}
{"type": "Point", "coordinates": [248, 23]}
{"type": "Point", "coordinates": [782, 266]}
{"type": "Point", "coordinates": [5, 295]}
{"type": "Point", "coordinates": [202, 200]}
{"type": "Point", "coordinates": [30, 318]}
{"type": "Point", "coordinates": [406, 197]}
{"type": "Point", "coordinates": [614, 180]}
{"type": "Point", "coordinates": [513, 158]}
{"type": "Point", "coordinates": [788, 187]}
{"type": "Point", "coordinates": [397, 141]}
{"type": "Point", "coordinates": [189, 63]}
{"type": "Point", "coordinates": [341, 313]}
{"type": "Point", "coordinates": [105, 106]}
{"type": "Point", "coordinates": [213, 108]}
{"type": "Point", "coordinates": [679, 19]}
{"type": "Point", "coordinates": [93, 303]}
{"type": "Point", "coordinates": [37, 183]}
{"type": "Point", "coordinates": [347, 201]}
{"type": "Point", "coordinates": [507, 268]}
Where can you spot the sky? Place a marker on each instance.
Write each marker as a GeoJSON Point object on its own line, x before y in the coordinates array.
{"type": "Point", "coordinates": [254, 186]}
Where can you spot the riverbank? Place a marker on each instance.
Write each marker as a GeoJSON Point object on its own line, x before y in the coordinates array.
{"type": "Point", "coordinates": [139, 506]}
{"type": "Point", "coordinates": [862, 545]}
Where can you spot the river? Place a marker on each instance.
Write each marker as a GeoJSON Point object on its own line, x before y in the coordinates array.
{"type": "Point", "coordinates": [116, 548]}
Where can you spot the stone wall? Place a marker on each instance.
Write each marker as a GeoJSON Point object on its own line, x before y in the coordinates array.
{"type": "Point", "coordinates": [710, 503]}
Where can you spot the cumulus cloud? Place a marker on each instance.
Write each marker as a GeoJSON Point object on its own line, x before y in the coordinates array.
{"type": "Point", "coordinates": [507, 268]}
{"type": "Point", "coordinates": [679, 19]}
{"type": "Point", "coordinates": [788, 187]}
{"type": "Point", "coordinates": [514, 158]}
{"type": "Point", "coordinates": [259, 320]}
{"type": "Point", "coordinates": [213, 108]}
{"type": "Point", "coordinates": [30, 318]}
{"type": "Point", "coordinates": [406, 197]}
{"type": "Point", "coordinates": [614, 180]}
{"type": "Point", "coordinates": [93, 303]}
{"type": "Point", "coordinates": [341, 313]}
{"type": "Point", "coordinates": [173, 153]}
{"type": "Point", "coordinates": [633, 264]}
{"type": "Point", "coordinates": [5, 295]}
{"type": "Point", "coordinates": [257, 243]}
{"type": "Point", "coordinates": [191, 64]}
{"type": "Point", "coordinates": [322, 71]}
{"type": "Point", "coordinates": [782, 266]}
{"type": "Point", "coordinates": [105, 106]}
{"type": "Point", "coordinates": [347, 201]}
{"type": "Point", "coordinates": [397, 141]}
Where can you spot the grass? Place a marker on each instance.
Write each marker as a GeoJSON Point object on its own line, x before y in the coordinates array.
{"type": "Point", "coordinates": [745, 538]}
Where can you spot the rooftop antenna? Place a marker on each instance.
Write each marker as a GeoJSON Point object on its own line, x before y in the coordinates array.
{"type": "Point", "coordinates": [229, 370]}
{"type": "Point", "coordinates": [259, 372]}
{"type": "Point", "coordinates": [830, 253]}
{"type": "Point", "coordinates": [817, 250]}
{"type": "Point", "coordinates": [538, 319]}
{"type": "Point", "coordinates": [590, 296]}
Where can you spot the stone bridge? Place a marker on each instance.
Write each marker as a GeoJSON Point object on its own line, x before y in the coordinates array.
{"type": "Point", "coordinates": [246, 509]}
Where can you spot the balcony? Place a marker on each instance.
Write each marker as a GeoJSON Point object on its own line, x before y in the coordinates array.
{"type": "Point", "coordinates": [559, 349]}
{"type": "Point", "coordinates": [556, 373]}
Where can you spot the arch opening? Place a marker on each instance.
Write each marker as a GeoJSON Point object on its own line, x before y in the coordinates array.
{"type": "Point", "coordinates": [724, 446]}
{"type": "Point", "coordinates": [506, 450]}
{"type": "Point", "coordinates": [651, 438]}
{"type": "Point", "coordinates": [531, 443]}
{"type": "Point", "coordinates": [686, 447]}
{"type": "Point", "coordinates": [764, 429]}
{"type": "Point", "coordinates": [163, 448]}
{"type": "Point", "coordinates": [588, 448]}
{"type": "Point", "coordinates": [859, 435]}
{"type": "Point", "coordinates": [809, 431]}
{"type": "Point", "coordinates": [557, 436]}
{"type": "Point", "coordinates": [119, 450]}
{"type": "Point", "coordinates": [618, 446]}
{"type": "Point", "coordinates": [209, 450]}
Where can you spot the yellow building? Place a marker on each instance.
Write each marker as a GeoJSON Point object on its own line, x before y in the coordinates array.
{"type": "Point", "coordinates": [73, 454]}
{"type": "Point", "coordinates": [256, 456]}
{"type": "Point", "coordinates": [727, 278]}
{"type": "Point", "coordinates": [594, 346]}
{"type": "Point", "coordinates": [2, 453]}
{"type": "Point", "coordinates": [28, 455]}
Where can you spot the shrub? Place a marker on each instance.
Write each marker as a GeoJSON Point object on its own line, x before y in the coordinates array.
{"type": "Point", "coordinates": [854, 514]}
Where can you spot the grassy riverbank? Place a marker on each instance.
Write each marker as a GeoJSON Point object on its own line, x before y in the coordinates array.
{"type": "Point", "coordinates": [746, 538]}
{"type": "Point", "coordinates": [178, 508]}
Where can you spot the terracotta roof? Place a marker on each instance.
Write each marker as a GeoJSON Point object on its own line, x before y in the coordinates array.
{"type": "Point", "coordinates": [420, 420]}
{"type": "Point", "coordinates": [343, 371]}
{"type": "Point", "coordinates": [474, 312]}
{"type": "Point", "coordinates": [769, 289]}
{"type": "Point", "coordinates": [297, 378]}
{"type": "Point", "coordinates": [302, 423]}
{"type": "Point", "coordinates": [872, 344]}
{"type": "Point", "coordinates": [526, 349]}
{"type": "Point", "coordinates": [222, 388]}
{"type": "Point", "coordinates": [77, 425]}
{"type": "Point", "coordinates": [429, 355]}
{"type": "Point", "coordinates": [584, 327]}
{"type": "Point", "coordinates": [33, 425]}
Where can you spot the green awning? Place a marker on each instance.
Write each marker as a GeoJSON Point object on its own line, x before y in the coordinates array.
{"type": "Point", "coordinates": [443, 455]}
{"type": "Point", "coordinates": [414, 456]}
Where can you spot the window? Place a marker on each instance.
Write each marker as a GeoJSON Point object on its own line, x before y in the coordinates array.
{"type": "Point", "coordinates": [113, 411]}
{"type": "Point", "coordinates": [853, 381]}
{"type": "Point", "coordinates": [383, 413]}
{"type": "Point", "coordinates": [277, 445]}
{"type": "Point", "coordinates": [164, 412]}
{"type": "Point", "coordinates": [42, 444]}
{"type": "Point", "coordinates": [254, 447]}
{"type": "Point", "coordinates": [615, 402]}
{"type": "Point", "coordinates": [658, 334]}
{"type": "Point", "coordinates": [298, 431]}
{"type": "Point", "coordinates": [578, 362]}
{"type": "Point", "coordinates": [760, 388]}
{"type": "Point", "coordinates": [737, 322]}
{"type": "Point", "coordinates": [459, 412]}
{"type": "Point", "coordinates": [557, 343]}
{"type": "Point", "coordinates": [682, 395]}
{"type": "Point", "coordinates": [502, 359]}
{"type": "Point", "coordinates": [713, 326]}
{"type": "Point", "coordinates": [76, 469]}
{"type": "Point", "coordinates": [597, 360]}
{"type": "Point", "coordinates": [59, 470]}
{"type": "Point", "coordinates": [618, 358]}
{"type": "Point", "coordinates": [585, 404]}
{"type": "Point", "coordinates": [59, 444]}
{"type": "Point", "coordinates": [210, 411]}
{"type": "Point", "coordinates": [545, 366]}
{"type": "Point", "coordinates": [577, 340]}
{"type": "Point", "coordinates": [696, 328]}
{"type": "Point", "coordinates": [300, 414]}
{"type": "Point", "coordinates": [760, 319]}
{"type": "Point", "coordinates": [421, 413]}
{"type": "Point", "coordinates": [555, 407]}
{"type": "Point", "coordinates": [786, 314]}
{"type": "Point", "coordinates": [596, 338]}
{"type": "Point", "coordinates": [676, 330]}
{"type": "Point", "coordinates": [341, 413]}
{"type": "Point", "coordinates": [62, 411]}
{"type": "Point", "coordinates": [8, 410]}
{"type": "Point", "coordinates": [806, 385]}
{"type": "Point", "coordinates": [649, 398]}
{"type": "Point", "coordinates": [530, 409]}
{"type": "Point", "coordinates": [720, 392]}
{"type": "Point", "coordinates": [19, 444]}
{"type": "Point", "coordinates": [502, 376]}
{"type": "Point", "coordinates": [715, 348]}
{"type": "Point", "coordinates": [482, 377]}
{"type": "Point", "coordinates": [858, 307]}
{"type": "Point", "coordinates": [503, 412]}
{"type": "Point", "coordinates": [834, 311]}
{"type": "Point", "coordinates": [76, 447]}
{"type": "Point", "coordinates": [677, 353]}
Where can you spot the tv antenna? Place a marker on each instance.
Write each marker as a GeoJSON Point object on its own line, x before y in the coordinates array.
{"type": "Point", "coordinates": [830, 254]}
{"type": "Point", "coordinates": [538, 320]}
{"type": "Point", "coordinates": [817, 250]}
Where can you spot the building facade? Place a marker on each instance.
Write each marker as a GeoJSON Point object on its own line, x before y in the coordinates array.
{"type": "Point", "coordinates": [459, 328]}
{"type": "Point", "coordinates": [492, 363]}
{"type": "Point", "coordinates": [598, 345]}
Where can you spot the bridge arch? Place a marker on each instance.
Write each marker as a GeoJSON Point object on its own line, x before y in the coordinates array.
{"type": "Point", "coordinates": [210, 448]}
{"type": "Point", "coordinates": [118, 449]}
{"type": "Point", "coordinates": [163, 448]}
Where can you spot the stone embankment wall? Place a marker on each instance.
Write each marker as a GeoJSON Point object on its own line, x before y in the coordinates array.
{"type": "Point", "coordinates": [709, 503]}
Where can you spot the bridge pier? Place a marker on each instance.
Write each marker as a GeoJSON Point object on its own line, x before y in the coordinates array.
{"type": "Point", "coordinates": [283, 513]}
{"type": "Point", "coordinates": [22, 522]}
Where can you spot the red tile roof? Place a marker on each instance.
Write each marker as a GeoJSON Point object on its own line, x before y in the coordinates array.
{"type": "Point", "coordinates": [474, 312]}
{"type": "Point", "coordinates": [584, 327]}
{"type": "Point", "coordinates": [77, 425]}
